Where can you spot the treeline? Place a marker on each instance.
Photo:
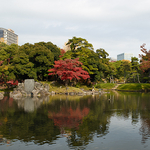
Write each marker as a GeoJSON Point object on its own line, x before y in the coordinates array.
{"type": "Point", "coordinates": [34, 61]}
{"type": "Point", "coordinates": [27, 61]}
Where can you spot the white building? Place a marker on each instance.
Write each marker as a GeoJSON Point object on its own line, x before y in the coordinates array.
{"type": "Point", "coordinates": [8, 36]}
{"type": "Point", "coordinates": [125, 56]}
{"type": "Point", "coordinates": [111, 59]}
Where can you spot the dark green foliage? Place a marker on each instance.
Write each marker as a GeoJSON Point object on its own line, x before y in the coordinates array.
{"type": "Point", "coordinates": [79, 43]}
{"type": "Point", "coordinates": [53, 48]}
{"type": "Point", "coordinates": [42, 58]}
{"type": "Point", "coordinates": [6, 58]}
{"type": "Point", "coordinates": [28, 60]}
{"type": "Point", "coordinates": [23, 68]}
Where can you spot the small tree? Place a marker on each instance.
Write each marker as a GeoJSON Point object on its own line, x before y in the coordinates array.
{"type": "Point", "coordinates": [69, 69]}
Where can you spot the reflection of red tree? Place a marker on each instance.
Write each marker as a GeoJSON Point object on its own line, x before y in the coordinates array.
{"type": "Point", "coordinates": [68, 118]}
{"type": "Point", "coordinates": [6, 102]}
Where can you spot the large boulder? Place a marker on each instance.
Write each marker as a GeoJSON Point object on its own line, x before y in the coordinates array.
{"type": "Point", "coordinates": [29, 85]}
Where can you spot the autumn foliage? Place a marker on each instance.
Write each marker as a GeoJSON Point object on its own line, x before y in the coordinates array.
{"type": "Point", "coordinates": [68, 118]}
{"type": "Point", "coordinates": [62, 51]}
{"type": "Point", "coordinates": [69, 69]}
{"type": "Point", "coordinates": [145, 59]}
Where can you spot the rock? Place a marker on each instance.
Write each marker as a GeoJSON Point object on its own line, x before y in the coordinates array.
{"type": "Point", "coordinates": [20, 86]}
{"type": "Point", "coordinates": [71, 93]}
{"type": "Point", "coordinates": [80, 93]}
{"type": "Point", "coordinates": [46, 86]}
{"type": "Point", "coordinates": [89, 93]}
{"type": "Point", "coordinates": [24, 93]}
{"type": "Point", "coordinates": [16, 94]}
{"type": "Point", "coordinates": [31, 88]}
{"type": "Point", "coordinates": [35, 93]}
{"type": "Point", "coordinates": [53, 93]}
{"type": "Point", "coordinates": [1, 95]}
{"type": "Point", "coordinates": [38, 85]}
{"type": "Point", "coordinates": [29, 85]}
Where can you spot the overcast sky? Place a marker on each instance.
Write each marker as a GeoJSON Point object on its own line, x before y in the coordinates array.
{"type": "Point", "coordinates": [118, 26]}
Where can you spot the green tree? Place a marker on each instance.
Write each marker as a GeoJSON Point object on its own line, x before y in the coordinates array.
{"type": "Point", "coordinates": [42, 58]}
{"type": "Point", "coordinates": [79, 43]}
{"type": "Point", "coordinates": [135, 68]}
{"type": "Point", "coordinates": [95, 63]}
{"type": "Point", "coordinates": [53, 48]}
{"type": "Point", "coordinates": [36, 59]}
{"type": "Point", "coordinates": [23, 68]}
{"type": "Point", "coordinates": [125, 69]}
{"type": "Point", "coordinates": [6, 58]}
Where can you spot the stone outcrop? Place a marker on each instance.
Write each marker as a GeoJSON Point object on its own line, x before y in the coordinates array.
{"type": "Point", "coordinates": [30, 88]}
{"type": "Point", "coordinates": [27, 89]}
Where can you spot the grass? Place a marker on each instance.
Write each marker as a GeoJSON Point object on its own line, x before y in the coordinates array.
{"type": "Point", "coordinates": [59, 88]}
{"type": "Point", "coordinates": [64, 90]}
{"type": "Point", "coordinates": [105, 85]}
{"type": "Point", "coordinates": [134, 87]}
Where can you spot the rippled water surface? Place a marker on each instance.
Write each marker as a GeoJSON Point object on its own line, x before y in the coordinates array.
{"type": "Point", "coordinates": [112, 121]}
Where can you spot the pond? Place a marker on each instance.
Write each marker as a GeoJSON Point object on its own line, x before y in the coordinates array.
{"type": "Point", "coordinates": [110, 121]}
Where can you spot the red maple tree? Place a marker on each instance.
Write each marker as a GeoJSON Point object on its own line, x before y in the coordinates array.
{"type": "Point", "coordinates": [145, 59]}
{"type": "Point", "coordinates": [69, 69]}
{"type": "Point", "coordinates": [62, 51]}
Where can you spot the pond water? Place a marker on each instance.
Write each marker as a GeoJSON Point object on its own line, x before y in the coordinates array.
{"type": "Point", "coordinates": [112, 121]}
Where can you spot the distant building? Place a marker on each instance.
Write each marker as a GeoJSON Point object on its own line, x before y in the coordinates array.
{"type": "Point", "coordinates": [8, 36]}
{"type": "Point", "coordinates": [66, 47]}
{"type": "Point", "coordinates": [111, 59]}
{"type": "Point", "coordinates": [125, 56]}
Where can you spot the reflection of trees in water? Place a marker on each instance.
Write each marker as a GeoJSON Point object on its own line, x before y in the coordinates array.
{"type": "Point", "coordinates": [29, 127]}
{"type": "Point", "coordinates": [35, 126]}
{"type": "Point", "coordinates": [145, 120]}
{"type": "Point", "coordinates": [69, 122]}
{"type": "Point", "coordinates": [77, 120]}
{"type": "Point", "coordinates": [145, 129]}
{"type": "Point", "coordinates": [68, 118]}
{"type": "Point", "coordinates": [137, 105]}
{"type": "Point", "coordinates": [81, 120]}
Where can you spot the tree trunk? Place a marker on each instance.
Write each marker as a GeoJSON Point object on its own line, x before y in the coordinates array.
{"type": "Point", "coordinates": [66, 82]}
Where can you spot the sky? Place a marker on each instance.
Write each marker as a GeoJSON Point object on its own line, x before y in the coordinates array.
{"type": "Point", "coordinates": [118, 26]}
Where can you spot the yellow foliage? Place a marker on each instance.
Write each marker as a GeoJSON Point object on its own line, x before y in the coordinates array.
{"type": "Point", "coordinates": [6, 68]}
{"type": "Point", "coordinates": [127, 60]}
{"type": "Point", "coordinates": [5, 119]}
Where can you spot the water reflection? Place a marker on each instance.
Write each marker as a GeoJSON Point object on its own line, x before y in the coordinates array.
{"type": "Point", "coordinates": [80, 120]}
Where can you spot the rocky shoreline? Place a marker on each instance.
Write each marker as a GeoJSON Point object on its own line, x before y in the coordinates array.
{"type": "Point", "coordinates": [42, 90]}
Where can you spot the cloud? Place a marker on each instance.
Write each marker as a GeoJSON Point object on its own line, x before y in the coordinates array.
{"type": "Point", "coordinates": [117, 26]}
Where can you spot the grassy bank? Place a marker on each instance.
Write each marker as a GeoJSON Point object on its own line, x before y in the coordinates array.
{"type": "Point", "coordinates": [105, 85]}
{"type": "Point", "coordinates": [59, 88]}
{"type": "Point", "coordinates": [134, 87]}
{"type": "Point", "coordinates": [130, 87]}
